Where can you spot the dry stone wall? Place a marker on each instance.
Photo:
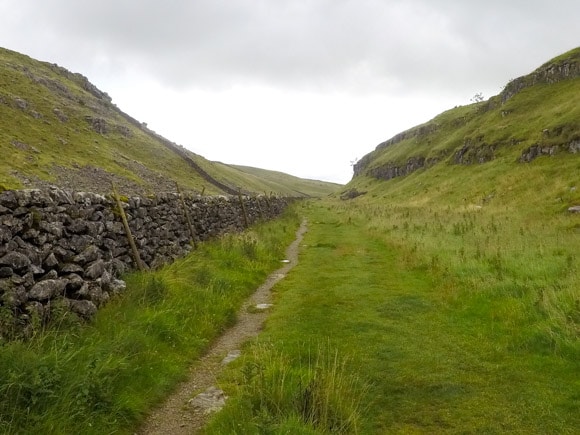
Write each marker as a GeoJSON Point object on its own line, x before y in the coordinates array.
{"type": "Point", "coordinates": [71, 247]}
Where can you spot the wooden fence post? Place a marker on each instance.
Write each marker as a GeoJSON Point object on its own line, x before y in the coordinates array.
{"type": "Point", "coordinates": [136, 256]}
{"type": "Point", "coordinates": [187, 218]}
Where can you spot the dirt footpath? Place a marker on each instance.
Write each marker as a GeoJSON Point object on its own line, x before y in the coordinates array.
{"type": "Point", "coordinates": [178, 415]}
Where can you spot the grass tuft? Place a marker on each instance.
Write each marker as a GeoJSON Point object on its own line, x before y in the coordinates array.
{"type": "Point", "coordinates": [318, 395]}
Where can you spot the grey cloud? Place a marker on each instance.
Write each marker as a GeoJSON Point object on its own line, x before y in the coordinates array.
{"type": "Point", "coordinates": [357, 45]}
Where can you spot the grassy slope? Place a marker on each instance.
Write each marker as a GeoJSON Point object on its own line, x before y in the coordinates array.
{"type": "Point", "coordinates": [280, 182]}
{"type": "Point", "coordinates": [36, 140]}
{"type": "Point", "coordinates": [74, 142]}
{"type": "Point", "coordinates": [545, 114]}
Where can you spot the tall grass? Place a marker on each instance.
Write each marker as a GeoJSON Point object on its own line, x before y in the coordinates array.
{"type": "Point", "coordinates": [310, 393]}
{"type": "Point", "coordinates": [102, 377]}
{"type": "Point", "coordinates": [498, 232]}
{"type": "Point", "coordinates": [454, 293]}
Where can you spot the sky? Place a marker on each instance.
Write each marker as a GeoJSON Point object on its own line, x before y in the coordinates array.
{"type": "Point", "coordinates": [304, 87]}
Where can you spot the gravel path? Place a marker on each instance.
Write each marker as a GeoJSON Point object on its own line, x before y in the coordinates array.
{"type": "Point", "coordinates": [177, 415]}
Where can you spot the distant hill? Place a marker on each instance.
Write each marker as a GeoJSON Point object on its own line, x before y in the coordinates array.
{"type": "Point", "coordinates": [534, 116]}
{"type": "Point", "coordinates": [58, 128]}
{"type": "Point", "coordinates": [288, 184]}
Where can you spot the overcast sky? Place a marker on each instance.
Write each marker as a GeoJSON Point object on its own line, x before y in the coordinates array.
{"type": "Point", "coordinates": [300, 86]}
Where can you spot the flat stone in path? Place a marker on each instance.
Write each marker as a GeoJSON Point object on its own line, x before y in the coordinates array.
{"type": "Point", "coordinates": [231, 356]}
{"type": "Point", "coordinates": [211, 400]}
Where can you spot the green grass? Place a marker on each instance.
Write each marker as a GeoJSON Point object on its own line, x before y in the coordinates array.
{"type": "Point", "coordinates": [447, 317]}
{"type": "Point", "coordinates": [103, 377]}
{"type": "Point", "coordinates": [544, 114]}
{"type": "Point", "coordinates": [126, 149]}
{"type": "Point", "coordinates": [308, 392]}
{"type": "Point", "coordinates": [72, 143]}
{"type": "Point", "coordinates": [287, 184]}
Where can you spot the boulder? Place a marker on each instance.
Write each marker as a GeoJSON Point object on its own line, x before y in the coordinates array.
{"type": "Point", "coordinates": [84, 308]}
{"type": "Point", "coordinates": [79, 226]}
{"type": "Point", "coordinates": [62, 254]}
{"type": "Point", "coordinates": [5, 234]}
{"type": "Point", "coordinates": [118, 267]}
{"type": "Point", "coordinates": [36, 270]}
{"type": "Point", "coordinates": [78, 244]}
{"type": "Point", "coordinates": [71, 268]}
{"type": "Point", "coordinates": [50, 261]}
{"type": "Point", "coordinates": [95, 229]}
{"type": "Point", "coordinates": [211, 400]}
{"type": "Point", "coordinates": [60, 196]}
{"type": "Point", "coordinates": [54, 228]}
{"type": "Point", "coordinates": [8, 199]}
{"type": "Point", "coordinates": [27, 280]}
{"type": "Point", "coordinates": [16, 261]}
{"type": "Point", "coordinates": [95, 270]}
{"type": "Point", "coordinates": [105, 279]}
{"type": "Point", "coordinates": [92, 291]}
{"type": "Point", "coordinates": [48, 289]}
{"type": "Point", "coordinates": [90, 254]}
{"type": "Point", "coordinates": [75, 282]}
{"type": "Point", "coordinates": [52, 274]}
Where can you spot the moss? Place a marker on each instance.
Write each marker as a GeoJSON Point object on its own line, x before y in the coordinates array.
{"type": "Point", "coordinates": [36, 218]}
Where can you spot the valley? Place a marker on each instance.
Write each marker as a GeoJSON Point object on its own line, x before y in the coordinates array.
{"type": "Point", "coordinates": [437, 292]}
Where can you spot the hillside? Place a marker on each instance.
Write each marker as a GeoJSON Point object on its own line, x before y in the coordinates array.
{"type": "Point", "coordinates": [281, 182]}
{"type": "Point", "coordinates": [58, 128]}
{"type": "Point", "coordinates": [534, 115]}
{"type": "Point", "coordinates": [473, 220]}
{"type": "Point", "coordinates": [437, 293]}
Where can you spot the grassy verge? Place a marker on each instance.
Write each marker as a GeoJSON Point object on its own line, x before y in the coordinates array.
{"type": "Point", "coordinates": [103, 377]}
{"type": "Point", "coordinates": [439, 320]}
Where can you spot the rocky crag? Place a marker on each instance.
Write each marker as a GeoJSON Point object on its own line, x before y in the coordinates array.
{"type": "Point", "coordinates": [61, 249]}
{"type": "Point", "coordinates": [478, 145]}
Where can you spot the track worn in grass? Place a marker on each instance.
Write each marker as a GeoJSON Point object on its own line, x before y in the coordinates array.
{"type": "Point", "coordinates": [414, 360]}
